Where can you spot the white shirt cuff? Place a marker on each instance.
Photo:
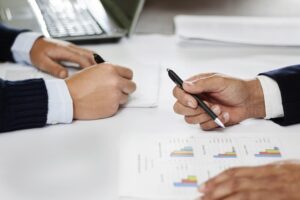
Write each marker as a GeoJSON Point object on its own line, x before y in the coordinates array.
{"type": "Point", "coordinates": [60, 104]}
{"type": "Point", "coordinates": [272, 95]}
{"type": "Point", "coordinates": [22, 47]}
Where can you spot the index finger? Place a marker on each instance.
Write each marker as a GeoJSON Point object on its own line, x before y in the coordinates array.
{"type": "Point", "coordinates": [125, 72]}
{"type": "Point", "coordinates": [199, 76]}
{"type": "Point", "coordinates": [84, 52]}
{"type": "Point", "coordinates": [185, 98]}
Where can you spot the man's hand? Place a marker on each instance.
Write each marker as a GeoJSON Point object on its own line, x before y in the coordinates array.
{"type": "Point", "coordinates": [232, 99]}
{"type": "Point", "coordinates": [98, 91]}
{"type": "Point", "coordinates": [46, 55]}
{"type": "Point", "coordinates": [278, 181]}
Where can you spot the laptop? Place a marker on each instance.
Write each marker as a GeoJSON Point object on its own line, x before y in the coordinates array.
{"type": "Point", "coordinates": [77, 21]}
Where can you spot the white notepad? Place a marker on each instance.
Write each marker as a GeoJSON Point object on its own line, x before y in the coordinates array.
{"type": "Point", "coordinates": [147, 79]}
{"type": "Point", "coordinates": [274, 31]}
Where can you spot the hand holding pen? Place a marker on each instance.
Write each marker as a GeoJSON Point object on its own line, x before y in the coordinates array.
{"type": "Point", "coordinates": [178, 81]}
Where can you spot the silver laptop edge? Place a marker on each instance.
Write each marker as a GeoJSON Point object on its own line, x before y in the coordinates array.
{"type": "Point", "coordinates": [136, 18]}
{"type": "Point", "coordinates": [107, 22]}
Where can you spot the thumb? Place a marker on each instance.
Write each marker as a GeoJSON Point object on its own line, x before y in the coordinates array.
{"type": "Point", "coordinates": [54, 68]}
{"type": "Point", "coordinates": [204, 85]}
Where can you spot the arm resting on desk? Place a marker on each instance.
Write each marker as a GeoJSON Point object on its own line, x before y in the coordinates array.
{"type": "Point", "coordinates": [23, 104]}
{"type": "Point", "coordinates": [7, 39]}
{"type": "Point", "coordinates": [288, 80]}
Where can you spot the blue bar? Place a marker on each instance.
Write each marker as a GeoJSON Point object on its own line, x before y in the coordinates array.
{"type": "Point", "coordinates": [176, 155]}
{"type": "Point", "coordinates": [185, 185]}
{"type": "Point", "coordinates": [219, 156]}
{"type": "Point", "coordinates": [268, 156]}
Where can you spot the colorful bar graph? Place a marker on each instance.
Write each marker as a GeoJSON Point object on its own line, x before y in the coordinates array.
{"type": "Point", "coordinates": [187, 151]}
{"type": "Point", "coordinates": [190, 181]}
{"type": "Point", "coordinates": [230, 154]}
{"type": "Point", "coordinates": [269, 153]}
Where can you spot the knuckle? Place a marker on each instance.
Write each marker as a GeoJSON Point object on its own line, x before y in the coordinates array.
{"type": "Point", "coordinates": [115, 83]}
{"type": "Point", "coordinates": [233, 185]}
{"type": "Point", "coordinates": [110, 68]}
{"type": "Point", "coordinates": [218, 78]}
{"type": "Point", "coordinates": [231, 172]}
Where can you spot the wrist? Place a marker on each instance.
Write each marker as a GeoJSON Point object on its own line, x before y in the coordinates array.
{"type": "Point", "coordinates": [72, 95]}
{"type": "Point", "coordinates": [256, 103]}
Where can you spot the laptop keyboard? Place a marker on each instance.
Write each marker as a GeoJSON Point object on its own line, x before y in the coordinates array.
{"type": "Point", "coordinates": [68, 18]}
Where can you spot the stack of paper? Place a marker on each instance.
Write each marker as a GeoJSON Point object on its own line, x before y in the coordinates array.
{"type": "Point", "coordinates": [241, 30]}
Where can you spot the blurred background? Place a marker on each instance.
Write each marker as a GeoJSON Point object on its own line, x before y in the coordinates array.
{"type": "Point", "coordinates": [157, 16]}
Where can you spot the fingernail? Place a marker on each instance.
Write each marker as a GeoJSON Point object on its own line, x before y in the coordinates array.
{"type": "Point", "coordinates": [62, 74]}
{"type": "Point", "coordinates": [226, 117]}
{"type": "Point", "coordinates": [191, 104]}
{"type": "Point", "coordinates": [189, 83]}
{"type": "Point", "coordinates": [216, 110]}
{"type": "Point", "coordinates": [202, 188]}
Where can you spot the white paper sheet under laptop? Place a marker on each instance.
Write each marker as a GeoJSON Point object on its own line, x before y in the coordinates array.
{"type": "Point", "coordinates": [146, 76]}
{"type": "Point", "coordinates": [274, 31]}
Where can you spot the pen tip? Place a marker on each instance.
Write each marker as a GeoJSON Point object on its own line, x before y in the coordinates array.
{"type": "Point", "coordinates": [220, 124]}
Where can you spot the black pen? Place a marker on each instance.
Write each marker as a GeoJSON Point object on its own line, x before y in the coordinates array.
{"type": "Point", "coordinates": [98, 59]}
{"type": "Point", "coordinates": [178, 81]}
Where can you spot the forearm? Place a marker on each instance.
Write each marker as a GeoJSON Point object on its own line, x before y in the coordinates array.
{"type": "Point", "coordinates": [23, 104]}
{"type": "Point", "coordinates": [7, 39]}
{"type": "Point", "coordinates": [288, 83]}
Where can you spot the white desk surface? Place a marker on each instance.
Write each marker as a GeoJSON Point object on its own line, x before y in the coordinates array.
{"type": "Point", "coordinates": [80, 160]}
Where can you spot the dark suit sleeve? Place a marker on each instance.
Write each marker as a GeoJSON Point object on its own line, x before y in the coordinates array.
{"type": "Point", "coordinates": [23, 104]}
{"type": "Point", "coordinates": [288, 80]}
{"type": "Point", "coordinates": [7, 39]}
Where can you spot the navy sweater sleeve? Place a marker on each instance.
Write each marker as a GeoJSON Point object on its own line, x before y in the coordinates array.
{"type": "Point", "coordinates": [7, 39]}
{"type": "Point", "coordinates": [23, 104]}
{"type": "Point", "coordinates": [288, 80]}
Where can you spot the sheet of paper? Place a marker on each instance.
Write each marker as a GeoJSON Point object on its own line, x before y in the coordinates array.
{"type": "Point", "coordinates": [241, 30]}
{"type": "Point", "coordinates": [172, 167]}
{"type": "Point", "coordinates": [147, 79]}
{"type": "Point", "coordinates": [146, 76]}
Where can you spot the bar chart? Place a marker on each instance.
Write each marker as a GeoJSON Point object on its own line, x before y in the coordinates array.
{"type": "Point", "coordinates": [269, 153]}
{"type": "Point", "coordinates": [190, 181]}
{"type": "Point", "coordinates": [187, 151]}
{"type": "Point", "coordinates": [175, 166]}
{"type": "Point", "coordinates": [229, 154]}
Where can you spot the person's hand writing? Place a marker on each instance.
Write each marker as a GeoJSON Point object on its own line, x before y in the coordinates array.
{"type": "Point", "coordinates": [232, 99]}
{"type": "Point", "coordinates": [47, 55]}
{"type": "Point", "coordinates": [98, 91]}
{"type": "Point", "coordinates": [277, 181]}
